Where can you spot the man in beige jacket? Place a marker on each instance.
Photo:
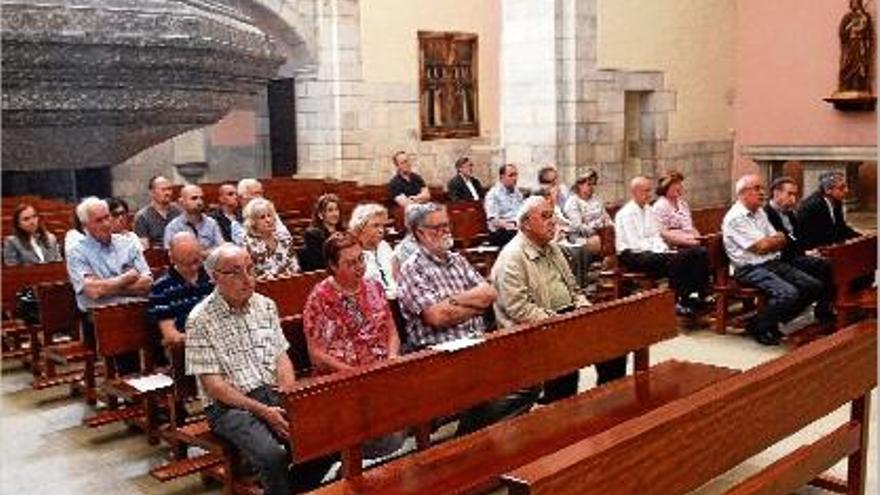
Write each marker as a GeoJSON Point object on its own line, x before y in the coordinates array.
{"type": "Point", "coordinates": [534, 281]}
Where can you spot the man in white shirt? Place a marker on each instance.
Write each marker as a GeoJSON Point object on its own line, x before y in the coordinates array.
{"type": "Point", "coordinates": [641, 249]}
{"type": "Point", "coordinates": [755, 249]}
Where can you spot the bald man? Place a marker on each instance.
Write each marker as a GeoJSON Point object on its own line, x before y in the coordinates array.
{"type": "Point", "coordinates": [640, 248]}
{"type": "Point", "coordinates": [194, 220]}
{"type": "Point", "coordinates": [183, 285]}
{"type": "Point", "coordinates": [228, 212]}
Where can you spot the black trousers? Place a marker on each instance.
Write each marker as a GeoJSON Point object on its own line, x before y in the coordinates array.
{"type": "Point", "coordinates": [687, 269]}
{"type": "Point", "coordinates": [501, 237]}
{"type": "Point", "coordinates": [820, 269]}
{"type": "Point", "coordinates": [611, 370]}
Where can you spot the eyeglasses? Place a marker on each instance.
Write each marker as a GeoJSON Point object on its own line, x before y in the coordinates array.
{"type": "Point", "coordinates": [440, 226]}
{"type": "Point", "coordinates": [241, 272]}
{"type": "Point", "coordinates": [118, 213]}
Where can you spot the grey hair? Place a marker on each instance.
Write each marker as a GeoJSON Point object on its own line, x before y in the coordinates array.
{"type": "Point", "coordinates": [245, 184]}
{"type": "Point", "coordinates": [182, 236]}
{"type": "Point", "coordinates": [256, 206]}
{"type": "Point", "coordinates": [225, 250]}
{"type": "Point", "coordinates": [529, 204]}
{"type": "Point", "coordinates": [829, 179]}
{"type": "Point", "coordinates": [86, 205]}
{"type": "Point", "coordinates": [743, 183]}
{"type": "Point", "coordinates": [417, 213]}
{"type": "Point", "coordinates": [363, 213]}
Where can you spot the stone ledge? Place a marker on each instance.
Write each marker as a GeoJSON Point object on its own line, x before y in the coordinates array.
{"type": "Point", "coordinates": [810, 153]}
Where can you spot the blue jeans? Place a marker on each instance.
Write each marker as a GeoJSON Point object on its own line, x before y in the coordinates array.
{"type": "Point", "coordinates": [789, 291]}
{"type": "Point", "coordinates": [263, 448]}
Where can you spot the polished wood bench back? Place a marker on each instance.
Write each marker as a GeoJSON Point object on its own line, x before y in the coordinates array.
{"type": "Point", "coordinates": [852, 262]}
{"type": "Point", "coordinates": [124, 328]}
{"type": "Point", "coordinates": [678, 448]}
{"type": "Point", "coordinates": [16, 278]}
{"type": "Point", "coordinates": [340, 411]}
{"type": "Point", "coordinates": [290, 293]}
{"type": "Point", "coordinates": [708, 220]}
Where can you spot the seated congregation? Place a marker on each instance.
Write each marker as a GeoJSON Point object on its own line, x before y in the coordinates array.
{"type": "Point", "coordinates": [315, 340]}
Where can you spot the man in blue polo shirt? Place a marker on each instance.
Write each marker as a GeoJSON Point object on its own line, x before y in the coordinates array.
{"type": "Point", "coordinates": [183, 285]}
{"type": "Point", "coordinates": [105, 268]}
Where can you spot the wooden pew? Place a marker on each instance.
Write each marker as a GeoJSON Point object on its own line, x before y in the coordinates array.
{"type": "Point", "coordinates": [679, 448]}
{"type": "Point", "coordinates": [726, 289]}
{"type": "Point", "coordinates": [59, 317]}
{"type": "Point", "coordinates": [708, 220]}
{"type": "Point", "coordinates": [19, 339]}
{"type": "Point", "coordinates": [853, 266]}
{"type": "Point", "coordinates": [121, 329]}
{"type": "Point", "coordinates": [339, 412]}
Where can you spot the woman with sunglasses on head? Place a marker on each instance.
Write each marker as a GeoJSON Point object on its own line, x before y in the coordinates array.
{"type": "Point", "coordinates": [30, 243]}
{"type": "Point", "coordinates": [121, 225]}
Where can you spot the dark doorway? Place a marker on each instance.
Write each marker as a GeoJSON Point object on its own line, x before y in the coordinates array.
{"type": "Point", "coordinates": [282, 127]}
{"type": "Point", "coordinates": [68, 185]}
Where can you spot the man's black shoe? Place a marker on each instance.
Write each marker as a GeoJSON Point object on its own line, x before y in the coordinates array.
{"type": "Point", "coordinates": [683, 311]}
{"type": "Point", "coordinates": [768, 338]}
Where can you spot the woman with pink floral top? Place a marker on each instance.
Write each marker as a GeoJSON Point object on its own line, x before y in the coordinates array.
{"type": "Point", "coordinates": [346, 319]}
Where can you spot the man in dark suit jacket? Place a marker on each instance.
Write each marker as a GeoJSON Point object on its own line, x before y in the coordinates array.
{"type": "Point", "coordinates": [780, 212]}
{"type": "Point", "coordinates": [464, 186]}
{"type": "Point", "coordinates": [821, 214]}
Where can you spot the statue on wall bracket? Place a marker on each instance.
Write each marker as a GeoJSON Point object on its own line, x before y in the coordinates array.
{"type": "Point", "coordinates": [856, 32]}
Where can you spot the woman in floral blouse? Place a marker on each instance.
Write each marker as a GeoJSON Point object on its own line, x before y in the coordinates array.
{"type": "Point", "coordinates": [346, 319]}
{"type": "Point", "coordinates": [673, 213]}
{"type": "Point", "coordinates": [586, 213]}
{"type": "Point", "coordinates": [273, 256]}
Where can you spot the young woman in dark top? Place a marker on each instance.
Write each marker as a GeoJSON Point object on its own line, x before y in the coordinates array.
{"type": "Point", "coordinates": [326, 219]}
{"type": "Point", "coordinates": [30, 243]}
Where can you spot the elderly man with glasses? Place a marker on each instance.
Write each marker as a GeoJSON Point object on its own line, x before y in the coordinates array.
{"type": "Point", "coordinates": [237, 350]}
{"type": "Point", "coordinates": [443, 298]}
{"type": "Point", "coordinates": [755, 251]}
{"type": "Point", "coordinates": [534, 281]}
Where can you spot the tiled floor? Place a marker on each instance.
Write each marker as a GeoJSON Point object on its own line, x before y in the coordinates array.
{"type": "Point", "coordinates": [44, 449]}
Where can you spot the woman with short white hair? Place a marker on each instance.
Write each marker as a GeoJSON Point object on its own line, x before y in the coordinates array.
{"type": "Point", "coordinates": [273, 256]}
{"type": "Point", "coordinates": [367, 224]}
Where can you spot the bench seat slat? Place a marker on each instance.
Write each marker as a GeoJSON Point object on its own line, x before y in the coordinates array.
{"type": "Point", "coordinates": [482, 457]}
{"type": "Point", "coordinates": [715, 429]}
{"type": "Point", "coordinates": [801, 466]}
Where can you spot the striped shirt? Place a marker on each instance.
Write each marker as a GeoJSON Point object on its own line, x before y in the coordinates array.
{"type": "Point", "coordinates": [172, 297]}
{"type": "Point", "coordinates": [425, 280]}
{"type": "Point", "coordinates": [241, 346]}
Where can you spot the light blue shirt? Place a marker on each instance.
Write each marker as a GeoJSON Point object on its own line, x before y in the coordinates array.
{"type": "Point", "coordinates": [501, 204]}
{"type": "Point", "coordinates": [207, 232]}
{"type": "Point", "coordinates": [741, 229]}
{"type": "Point", "coordinates": [91, 258]}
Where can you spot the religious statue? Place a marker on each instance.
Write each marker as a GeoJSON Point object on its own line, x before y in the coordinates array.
{"type": "Point", "coordinates": [856, 40]}
{"type": "Point", "coordinates": [856, 53]}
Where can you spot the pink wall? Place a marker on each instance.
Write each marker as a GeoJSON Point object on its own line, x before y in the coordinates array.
{"type": "Point", "coordinates": [787, 58]}
{"type": "Point", "coordinates": [237, 128]}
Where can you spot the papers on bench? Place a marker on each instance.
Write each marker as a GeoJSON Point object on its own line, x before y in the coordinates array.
{"type": "Point", "coordinates": [458, 344]}
{"type": "Point", "coordinates": [482, 249]}
{"type": "Point", "coordinates": [151, 382]}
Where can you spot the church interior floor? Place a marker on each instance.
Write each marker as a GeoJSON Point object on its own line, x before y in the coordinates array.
{"type": "Point", "coordinates": [45, 448]}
